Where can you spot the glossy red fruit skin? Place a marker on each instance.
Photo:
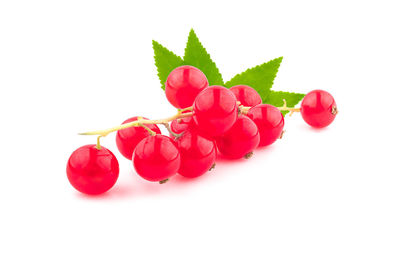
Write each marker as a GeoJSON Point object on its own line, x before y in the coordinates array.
{"type": "Point", "coordinates": [183, 85]}
{"type": "Point", "coordinates": [92, 171]}
{"type": "Point", "coordinates": [270, 122]}
{"type": "Point", "coordinates": [156, 158]}
{"type": "Point", "coordinates": [215, 110]}
{"type": "Point", "coordinates": [179, 126]}
{"type": "Point", "coordinates": [128, 138]}
{"type": "Point", "coordinates": [240, 140]}
{"type": "Point", "coordinates": [246, 95]}
{"type": "Point", "coordinates": [198, 153]}
{"type": "Point", "coordinates": [318, 108]}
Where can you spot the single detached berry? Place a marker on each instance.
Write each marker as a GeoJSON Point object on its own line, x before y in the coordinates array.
{"type": "Point", "coordinates": [181, 125]}
{"type": "Point", "coordinates": [183, 85]}
{"type": "Point", "coordinates": [269, 121]}
{"type": "Point", "coordinates": [318, 108]}
{"type": "Point", "coordinates": [156, 158]}
{"type": "Point", "coordinates": [91, 170]}
{"type": "Point", "coordinates": [246, 95]}
{"type": "Point", "coordinates": [215, 110]}
{"type": "Point", "coordinates": [128, 138]}
{"type": "Point", "coordinates": [240, 140]}
{"type": "Point", "coordinates": [198, 153]}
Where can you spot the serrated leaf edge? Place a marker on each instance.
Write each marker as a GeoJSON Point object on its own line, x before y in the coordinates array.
{"type": "Point", "coordinates": [204, 51]}
{"type": "Point", "coordinates": [255, 67]}
{"type": "Point", "coordinates": [155, 43]}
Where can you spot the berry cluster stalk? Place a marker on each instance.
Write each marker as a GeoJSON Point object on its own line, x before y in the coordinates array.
{"type": "Point", "coordinates": [244, 109]}
{"type": "Point", "coordinates": [182, 113]}
{"type": "Point", "coordinates": [141, 122]}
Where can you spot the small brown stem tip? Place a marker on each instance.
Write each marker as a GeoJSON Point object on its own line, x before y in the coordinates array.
{"type": "Point", "coordinates": [248, 155]}
{"type": "Point", "coordinates": [163, 181]}
{"type": "Point", "coordinates": [334, 110]}
{"type": "Point", "coordinates": [212, 167]}
{"type": "Point", "coordinates": [281, 135]}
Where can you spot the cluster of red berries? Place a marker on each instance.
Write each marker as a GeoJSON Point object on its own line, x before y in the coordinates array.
{"type": "Point", "coordinates": [212, 118]}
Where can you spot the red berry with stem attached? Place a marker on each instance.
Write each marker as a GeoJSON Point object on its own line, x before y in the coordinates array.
{"type": "Point", "coordinates": [181, 125]}
{"type": "Point", "coordinates": [183, 85]}
{"type": "Point", "coordinates": [156, 158]}
{"type": "Point", "coordinates": [318, 108]}
{"type": "Point", "coordinates": [91, 170]}
{"type": "Point", "coordinates": [215, 110]}
{"type": "Point", "coordinates": [269, 121]}
{"type": "Point", "coordinates": [128, 138]}
{"type": "Point", "coordinates": [198, 153]}
{"type": "Point", "coordinates": [246, 95]}
{"type": "Point", "coordinates": [240, 140]}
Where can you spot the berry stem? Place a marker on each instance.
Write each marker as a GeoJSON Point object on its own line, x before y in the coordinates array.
{"type": "Point", "coordinates": [168, 127]}
{"type": "Point", "coordinates": [98, 146]}
{"type": "Point", "coordinates": [285, 108]}
{"type": "Point", "coordinates": [245, 109]}
{"type": "Point", "coordinates": [151, 132]}
{"type": "Point", "coordinates": [190, 108]}
{"type": "Point", "coordinates": [139, 122]}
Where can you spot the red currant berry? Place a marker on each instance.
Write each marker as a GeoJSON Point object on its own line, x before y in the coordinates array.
{"type": "Point", "coordinates": [246, 95]}
{"type": "Point", "coordinates": [91, 170]}
{"type": "Point", "coordinates": [240, 140]}
{"type": "Point", "coordinates": [215, 110]}
{"type": "Point", "coordinates": [269, 121]}
{"type": "Point", "coordinates": [156, 158]}
{"type": "Point", "coordinates": [181, 125]}
{"type": "Point", "coordinates": [318, 108]}
{"type": "Point", "coordinates": [128, 138]}
{"type": "Point", "coordinates": [183, 85]}
{"type": "Point", "coordinates": [198, 153]}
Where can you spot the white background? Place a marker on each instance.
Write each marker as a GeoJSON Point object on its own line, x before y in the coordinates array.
{"type": "Point", "coordinates": [316, 196]}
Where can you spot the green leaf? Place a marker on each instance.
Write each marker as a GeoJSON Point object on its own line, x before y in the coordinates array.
{"type": "Point", "coordinates": [197, 56]}
{"type": "Point", "coordinates": [165, 61]}
{"type": "Point", "coordinates": [261, 77]}
{"type": "Point", "coordinates": [276, 98]}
